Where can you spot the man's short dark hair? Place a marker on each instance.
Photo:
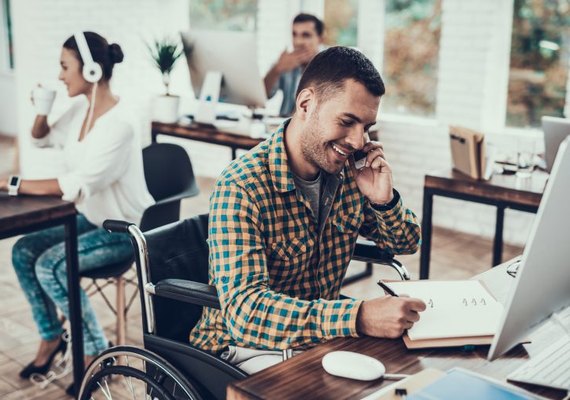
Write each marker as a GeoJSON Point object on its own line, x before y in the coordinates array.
{"type": "Point", "coordinates": [319, 25]}
{"type": "Point", "coordinates": [328, 71]}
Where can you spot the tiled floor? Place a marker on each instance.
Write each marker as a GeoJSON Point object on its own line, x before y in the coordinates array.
{"type": "Point", "coordinates": [454, 256]}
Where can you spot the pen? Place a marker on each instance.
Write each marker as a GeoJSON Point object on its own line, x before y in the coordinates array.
{"type": "Point", "coordinates": [387, 289]}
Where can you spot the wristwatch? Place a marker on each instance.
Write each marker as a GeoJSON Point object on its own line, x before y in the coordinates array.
{"type": "Point", "coordinates": [14, 185]}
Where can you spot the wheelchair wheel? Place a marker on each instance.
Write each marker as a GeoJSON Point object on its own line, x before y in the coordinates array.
{"type": "Point", "coordinates": [126, 372]}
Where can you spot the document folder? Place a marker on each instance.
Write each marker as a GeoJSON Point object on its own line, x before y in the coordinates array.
{"type": "Point", "coordinates": [467, 151]}
{"type": "Point", "coordinates": [456, 383]}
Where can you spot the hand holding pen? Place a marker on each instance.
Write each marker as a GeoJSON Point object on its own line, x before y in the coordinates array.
{"type": "Point", "coordinates": [388, 316]}
{"type": "Point", "coordinates": [387, 289]}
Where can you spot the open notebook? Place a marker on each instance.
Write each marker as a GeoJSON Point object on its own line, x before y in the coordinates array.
{"type": "Point", "coordinates": [458, 313]}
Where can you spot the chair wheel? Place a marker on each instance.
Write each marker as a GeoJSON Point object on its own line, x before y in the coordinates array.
{"type": "Point", "coordinates": [126, 372]}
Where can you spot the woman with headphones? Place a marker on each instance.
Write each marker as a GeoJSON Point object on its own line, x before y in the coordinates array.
{"type": "Point", "coordinates": [104, 177]}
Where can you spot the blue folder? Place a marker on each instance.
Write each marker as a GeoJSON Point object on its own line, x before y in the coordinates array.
{"type": "Point", "coordinates": [460, 384]}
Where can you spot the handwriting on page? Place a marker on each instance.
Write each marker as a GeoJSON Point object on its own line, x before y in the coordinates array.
{"type": "Point", "coordinates": [467, 302]}
{"type": "Point", "coordinates": [453, 308]}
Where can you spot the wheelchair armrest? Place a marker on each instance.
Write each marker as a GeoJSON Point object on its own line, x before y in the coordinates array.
{"type": "Point", "coordinates": [190, 192]}
{"type": "Point", "coordinates": [188, 292]}
{"type": "Point", "coordinates": [367, 251]}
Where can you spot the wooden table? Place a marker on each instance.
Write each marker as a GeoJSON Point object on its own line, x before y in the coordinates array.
{"type": "Point", "coordinates": [502, 191]}
{"type": "Point", "coordinates": [24, 214]}
{"type": "Point", "coordinates": [302, 377]}
{"type": "Point", "coordinates": [207, 134]}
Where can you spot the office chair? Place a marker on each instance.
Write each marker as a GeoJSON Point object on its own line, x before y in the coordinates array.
{"type": "Point", "coordinates": [169, 178]}
{"type": "Point", "coordinates": [172, 265]}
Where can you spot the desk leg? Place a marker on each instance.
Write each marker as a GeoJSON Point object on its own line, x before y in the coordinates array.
{"type": "Point", "coordinates": [234, 153]}
{"type": "Point", "coordinates": [426, 234]}
{"type": "Point", "coordinates": [74, 300]}
{"type": "Point", "coordinates": [498, 241]}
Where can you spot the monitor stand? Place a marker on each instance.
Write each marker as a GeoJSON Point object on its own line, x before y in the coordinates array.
{"type": "Point", "coordinates": [209, 96]}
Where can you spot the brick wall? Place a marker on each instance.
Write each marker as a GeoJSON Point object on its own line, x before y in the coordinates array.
{"type": "Point", "coordinates": [474, 63]}
{"type": "Point", "coordinates": [8, 124]}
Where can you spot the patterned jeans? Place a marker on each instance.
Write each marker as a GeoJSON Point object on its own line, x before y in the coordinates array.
{"type": "Point", "coordinates": [39, 262]}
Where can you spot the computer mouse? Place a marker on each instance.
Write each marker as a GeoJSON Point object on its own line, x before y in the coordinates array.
{"type": "Point", "coordinates": [348, 364]}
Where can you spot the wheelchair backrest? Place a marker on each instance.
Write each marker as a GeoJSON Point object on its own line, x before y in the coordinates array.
{"type": "Point", "coordinates": [178, 251]}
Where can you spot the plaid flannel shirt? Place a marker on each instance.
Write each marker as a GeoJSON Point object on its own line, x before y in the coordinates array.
{"type": "Point", "coordinates": [277, 273]}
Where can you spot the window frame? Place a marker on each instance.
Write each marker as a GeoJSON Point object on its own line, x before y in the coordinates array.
{"type": "Point", "coordinates": [6, 38]}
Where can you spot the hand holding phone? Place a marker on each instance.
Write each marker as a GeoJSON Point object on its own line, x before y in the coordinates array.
{"type": "Point", "coordinates": [359, 159]}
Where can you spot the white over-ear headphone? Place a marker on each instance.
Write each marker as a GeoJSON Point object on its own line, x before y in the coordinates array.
{"type": "Point", "coordinates": [92, 72]}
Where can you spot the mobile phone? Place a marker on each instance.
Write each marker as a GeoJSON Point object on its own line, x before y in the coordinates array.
{"type": "Point", "coordinates": [359, 159]}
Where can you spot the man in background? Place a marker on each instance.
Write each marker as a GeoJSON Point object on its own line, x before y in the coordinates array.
{"type": "Point", "coordinates": [285, 74]}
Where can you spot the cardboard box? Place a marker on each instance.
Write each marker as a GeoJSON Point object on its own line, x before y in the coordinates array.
{"type": "Point", "coordinates": [467, 151]}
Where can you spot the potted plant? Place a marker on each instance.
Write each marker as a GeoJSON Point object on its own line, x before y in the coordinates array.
{"type": "Point", "coordinates": [165, 53]}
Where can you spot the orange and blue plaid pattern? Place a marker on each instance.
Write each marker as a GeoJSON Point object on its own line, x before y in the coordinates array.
{"type": "Point", "coordinates": [277, 273]}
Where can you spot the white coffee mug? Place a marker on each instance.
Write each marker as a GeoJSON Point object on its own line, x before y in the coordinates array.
{"type": "Point", "coordinates": [43, 100]}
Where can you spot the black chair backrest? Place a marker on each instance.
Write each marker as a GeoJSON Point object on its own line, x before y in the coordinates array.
{"type": "Point", "coordinates": [178, 251]}
{"type": "Point", "coordinates": [168, 173]}
{"type": "Point", "coordinates": [167, 170]}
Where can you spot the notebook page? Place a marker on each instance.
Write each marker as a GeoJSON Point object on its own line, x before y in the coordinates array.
{"type": "Point", "coordinates": [454, 309]}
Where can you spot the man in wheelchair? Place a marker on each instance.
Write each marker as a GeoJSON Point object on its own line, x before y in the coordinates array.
{"type": "Point", "coordinates": [285, 217]}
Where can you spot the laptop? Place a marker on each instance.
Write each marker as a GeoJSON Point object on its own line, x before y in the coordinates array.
{"type": "Point", "coordinates": [555, 131]}
{"type": "Point", "coordinates": [541, 291]}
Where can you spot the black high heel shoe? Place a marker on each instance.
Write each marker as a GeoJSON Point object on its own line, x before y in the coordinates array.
{"type": "Point", "coordinates": [42, 369]}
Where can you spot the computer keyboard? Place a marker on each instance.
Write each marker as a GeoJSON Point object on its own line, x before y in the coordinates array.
{"type": "Point", "coordinates": [550, 368]}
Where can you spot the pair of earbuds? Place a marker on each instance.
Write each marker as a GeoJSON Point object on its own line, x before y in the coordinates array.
{"type": "Point", "coordinates": [92, 72]}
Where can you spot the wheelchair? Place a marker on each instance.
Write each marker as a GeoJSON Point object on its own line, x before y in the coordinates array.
{"type": "Point", "coordinates": [172, 269]}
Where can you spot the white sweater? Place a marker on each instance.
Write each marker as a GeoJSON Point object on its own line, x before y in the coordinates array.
{"type": "Point", "coordinates": [104, 172]}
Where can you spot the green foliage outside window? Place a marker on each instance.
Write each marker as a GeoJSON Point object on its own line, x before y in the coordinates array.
{"type": "Point", "coordinates": [341, 19]}
{"type": "Point", "coordinates": [411, 49]}
{"type": "Point", "coordinates": [540, 54]}
{"type": "Point", "coordinates": [231, 15]}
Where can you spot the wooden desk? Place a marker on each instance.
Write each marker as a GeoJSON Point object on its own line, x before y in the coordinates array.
{"type": "Point", "coordinates": [205, 134]}
{"type": "Point", "coordinates": [24, 214]}
{"type": "Point", "coordinates": [302, 377]}
{"type": "Point", "coordinates": [502, 191]}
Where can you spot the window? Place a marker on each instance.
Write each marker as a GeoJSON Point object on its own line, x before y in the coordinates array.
{"type": "Point", "coordinates": [6, 42]}
{"type": "Point", "coordinates": [232, 15]}
{"type": "Point", "coordinates": [411, 49]}
{"type": "Point", "coordinates": [341, 19]}
{"type": "Point", "coordinates": [540, 53]}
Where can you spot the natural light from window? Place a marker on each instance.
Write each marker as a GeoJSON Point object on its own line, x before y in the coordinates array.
{"type": "Point", "coordinates": [231, 15]}
{"type": "Point", "coordinates": [411, 50]}
{"type": "Point", "coordinates": [540, 56]}
{"type": "Point", "coordinates": [341, 19]}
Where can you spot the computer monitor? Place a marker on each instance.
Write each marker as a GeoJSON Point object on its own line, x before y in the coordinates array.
{"type": "Point", "coordinates": [555, 131]}
{"type": "Point", "coordinates": [542, 284]}
{"type": "Point", "coordinates": [234, 55]}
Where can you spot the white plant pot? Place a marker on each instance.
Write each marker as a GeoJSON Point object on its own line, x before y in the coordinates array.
{"type": "Point", "coordinates": [165, 109]}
